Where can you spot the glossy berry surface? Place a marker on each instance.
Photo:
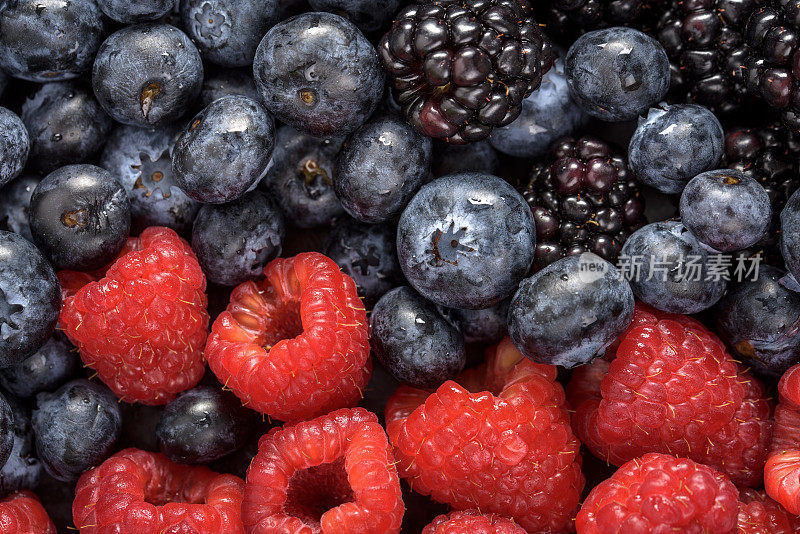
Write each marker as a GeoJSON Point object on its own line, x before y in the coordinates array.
{"type": "Point", "coordinates": [22, 470]}
{"type": "Point", "coordinates": [44, 370]}
{"type": "Point", "coordinates": [461, 68]}
{"type": "Point", "coordinates": [472, 521]}
{"type": "Point", "coordinates": [14, 202]}
{"type": "Point", "coordinates": [22, 512]}
{"type": "Point", "coordinates": [790, 238]}
{"type": "Point", "coordinates": [132, 11]}
{"type": "Point", "coordinates": [14, 146]}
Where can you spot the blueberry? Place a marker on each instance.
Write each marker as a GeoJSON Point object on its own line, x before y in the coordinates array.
{"type": "Point", "coordinates": [480, 326]}
{"type": "Point", "coordinates": [366, 253]}
{"type": "Point", "coordinates": [203, 424]}
{"type": "Point", "coordinates": [227, 32]}
{"type": "Point", "coordinates": [147, 75]}
{"type": "Point", "coordinates": [65, 124]}
{"type": "Point", "coordinates": [132, 11]}
{"type": "Point", "coordinates": [670, 270]}
{"type": "Point", "coordinates": [225, 151]}
{"type": "Point", "coordinates": [548, 114]}
{"type": "Point", "coordinates": [368, 15]}
{"type": "Point", "coordinates": [49, 40]}
{"type": "Point", "coordinates": [30, 299]}
{"type": "Point", "coordinates": [726, 209]}
{"type": "Point", "coordinates": [478, 156]}
{"type": "Point", "coordinates": [15, 198]}
{"type": "Point", "coordinates": [80, 217]}
{"type": "Point", "coordinates": [301, 178]}
{"type": "Point", "coordinates": [466, 240]}
{"type": "Point", "coordinates": [616, 74]}
{"type": "Point", "coordinates": [234, 242]}
{"type": "Point", "coordinates": [790, 234]}
{"type": "Point", "coordinates": [76, 428]}
{"type": "Point", "coordinates": [674, 144]}
{"type": "Point", "coordinates": [44, 370]}
{"type": "Point", "coordinates": [140, 160]}
{"type": "Point", "coordinates": [23, 470]}
{"type": "Point", "coordinates": [414, 342]}
{"type": "Point", "coordinates": [318, 73]}
{"type": "Point", "coordinates": [758, 320]}
{"type": "Point", "coordinates": [570, 311]}
{"type": "Point", "coordinates": [14, 146]}
{"type": "Point", "coordinates": [380, 167]}
{"type": "Point", "coordinates": [6, 430]}
{"type": "Point", "coordinates": [228, 82]}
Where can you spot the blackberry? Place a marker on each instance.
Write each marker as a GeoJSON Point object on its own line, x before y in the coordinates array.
{"type": "Point", "coordinates": [566, 19]}
{"type": "Point", "coordinates": [462, 67]}
{"type": "Point", "coordinates": [584, 199]}
{"type": "Point", "coordinates": [707, 49]}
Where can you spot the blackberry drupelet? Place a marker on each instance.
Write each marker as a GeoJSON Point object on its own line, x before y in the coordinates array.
{"type": "Point", "coordinates": [584, 198]}
{"type": "Point", "coordinates": [565, 19]}
{"type": "Point", "coordinates": [462, 67]}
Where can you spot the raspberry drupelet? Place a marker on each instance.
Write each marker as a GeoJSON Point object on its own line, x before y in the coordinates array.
{"type": "Point", "coordinates": [143, 325]}
{"type": "Point", "coordinates": [295, 344]}
{"type": "Point", "coordinates": [498, 441]}
{"type": "Point", "coordinates": [22, 513]}
{"type": "Point", "coordinates": [758, 514]}
{"type": "Point", "coordinates": [140, 492]}
{"type": "Point", "coordinates": [472, 521]}
{"type": "Point", "coordinates": [782, 470]}
{"type": "Point", "coordinates": [334, 474]}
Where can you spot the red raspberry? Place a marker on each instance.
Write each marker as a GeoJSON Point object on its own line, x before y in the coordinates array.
{"type": "Point", "coordinates": [503, 445]}
{"type": "Point", "coordinates": [141, 492]}
{"type": "Point", "coordinates": [782, 470]}
{"type": "Point", "coordinates": [758, 514]}
{"type": "Point", "coordinates": [331, 475]}
{"type": "Point", "coordinates": [674, 389]}
{"type": "Point", "coordinates": [142, 327]}
{"type": "Point", "coordinates": [474, 522]}
{"type": "Point", "coordinates": [660, 493]}
{"type": "Point", "coordinates": [22, 513]}
{"type": "Point", "coordinates": [295, 344]}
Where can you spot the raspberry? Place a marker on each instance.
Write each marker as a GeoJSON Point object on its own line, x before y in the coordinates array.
{"type": "Point", "coordinates": [499, 442]}
{"type": "Point", "coordinates": [674, 389]}
{"type": "Point", "coordinates": [782, 470]}
{"type": "Point", "coordinates": [295, 344]}
{"type": "Point", "coordinates": [661, 493]}
{"type": "Point", "coordinates": [143, 325]}
{"type": "Point", "coordinates": [329, 475]}
{"type": "Point", "coordinates": [758, 514]}
{"type": "Point", "coordinates": [142, 492]}
{"type": "Point", "coordinates": [22, 513]}
{"type": "Point", "coordinates": [472, 521]}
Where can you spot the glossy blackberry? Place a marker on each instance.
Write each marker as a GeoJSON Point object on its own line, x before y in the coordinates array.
{"type": "Point", "coordinates": [462, 67]}
{"type": "Point", "coordinates": [565, 19]}
{"type": "Point", "coordinates": [707, 49]}
{"type": "Point", "coordinates": [583, 198]}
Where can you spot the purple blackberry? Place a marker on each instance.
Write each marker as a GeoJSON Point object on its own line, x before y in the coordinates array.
{"type": "Point", "coordinates": [462, 67]}
{"type": "Point", "coordinates": [584, 199]}
{"type": "Point", "coordinates": [566, 19]}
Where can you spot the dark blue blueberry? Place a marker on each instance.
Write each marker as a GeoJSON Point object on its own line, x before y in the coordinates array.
{"type": "Point", "coordinates": [76, 428]}
{"type": "Point", "coordinates": [49, 40]}
{"type": "Point", "coordinates": [790, 234]}
{"type": "Point", "coordinates": [140, 159]}
{"type": "Point", "coordinates": [44, 370]}
{"type": "Point", "coordinates": [30, 299]}
{"type": "Point", "coordinates": [227, 32]}
{"type": "Point", "coordinates": [480, 326]}
{"type": "Point", "coordinates": [616, 74]}
{"type": "Point", "coordinates": [674, 144]}
{"type": "Point", "coordinates": [466, 240]}
{"type": "Point", "coordinates": [15, 199]}
{"type": "Point", "coordinates": [548, 114]}
{"type": "Point", "coordinates": [570, 311]}
{"type": "Point", "coordinates": [368, 15]}
{"type": "Point", "coordinates": [301, 178]}
{"type": "Point", "coordinates": [80, 217]}
{"type": "Point", "coordinates": [366, 253]}
{"type": "Point", "coordinates": [14, 146]}
{"type": "Point", "coordinates": [23, 470]}
{"type": "Point", "coordinates": [670, 270]}
{"type": "Point", "coordinates": [65, 124]}
{"type": "Point", "coordinates": [6, 430]}
{"type": "Point", "coordinates": [414, 342]}
{"type": "Point", "coordinates": [132, 11]}
{"type": "Point", "coordinates": [228, 82]}
{"type": "Point", "coordinates": [726, 209]}
{"type": "Point", "coordinates": [472, 157]}
{"type": "Point", "coordinates": [225, 151]}
{"type": "Point", "coordinates": [203, 424]}
{"type": "Point", "coordinates": [147, 75]}
{"type": "Point", "coordinates": [380, 167]}
{"type": "Point", "coordinates": [235, 241]}
{"type": "Point", "coordinates": [318, 73]}
{"type": "Point", "coordinates": [758, 320]}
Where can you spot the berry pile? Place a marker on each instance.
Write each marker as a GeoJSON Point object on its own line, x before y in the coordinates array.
{"type": "Point", "coordinates": [399, 266]}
